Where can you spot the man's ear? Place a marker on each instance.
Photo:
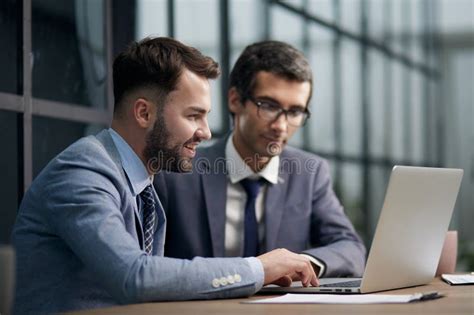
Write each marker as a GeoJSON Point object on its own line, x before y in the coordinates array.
{"type": "Point", "coordinates": [235, 103]}
{"type": "Point", "coordinates": [144, 112]}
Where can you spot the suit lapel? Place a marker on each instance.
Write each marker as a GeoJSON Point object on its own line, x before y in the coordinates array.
{"type": "Point", "coordinates": [160, 229]}
{"type": "Point", "coordinates": [106, 139]}
{"type": "Point", "coordinates": [215, 192]}
{"type": "Point", "coordinates": [274, 207]}
{"type": "Point", "coordinates": [214, 185]}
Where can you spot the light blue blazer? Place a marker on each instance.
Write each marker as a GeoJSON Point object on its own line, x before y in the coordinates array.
{"type": "Point", "coordinates": [79, 242]}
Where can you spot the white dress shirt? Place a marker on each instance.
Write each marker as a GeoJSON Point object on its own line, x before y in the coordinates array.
{"type": "Point", "coordinates": [238, 170]}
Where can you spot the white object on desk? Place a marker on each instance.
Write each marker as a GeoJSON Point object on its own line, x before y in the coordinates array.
{"type": "Point", "coordinates": [458, 279]}
{"type": "Point", "coordinates": [347, 299]}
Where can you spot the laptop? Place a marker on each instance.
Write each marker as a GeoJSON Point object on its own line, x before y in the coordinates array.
{"type": "Point", "coordinates": [409, 237]}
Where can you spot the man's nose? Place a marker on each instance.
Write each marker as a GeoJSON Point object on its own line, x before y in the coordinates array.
{"type": "Point", "coordinates": [280, 123]}
{"type": "Point", "coordinates": [204, 133]}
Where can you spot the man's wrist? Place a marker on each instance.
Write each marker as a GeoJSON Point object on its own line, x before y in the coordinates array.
{"type": "Point", "coordinates": [318, 266]}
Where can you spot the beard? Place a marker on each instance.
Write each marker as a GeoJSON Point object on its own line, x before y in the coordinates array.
{"type": "Point", "coordinates": [161, 154]}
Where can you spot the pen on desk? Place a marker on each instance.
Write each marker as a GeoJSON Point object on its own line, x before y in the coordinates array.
{"type": "Point", "coordinates": [430, 295]}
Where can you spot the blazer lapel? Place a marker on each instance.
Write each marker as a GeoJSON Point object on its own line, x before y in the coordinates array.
{"type": "Point", "coordinates": [274, 207]}
{"type": "Point", "coordinates": [106, 139]}
{"type": "Point", "coordinates": [160, 234]}
{"type": "Point", "coordinates": [214, 185]}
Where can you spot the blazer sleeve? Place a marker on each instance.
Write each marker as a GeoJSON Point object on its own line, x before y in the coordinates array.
{"type": "Point", "coordinates": [84, 209]}
{"type": "Point", "coordinates": [336, 242]}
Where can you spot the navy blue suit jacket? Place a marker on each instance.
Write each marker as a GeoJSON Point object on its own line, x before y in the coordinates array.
{"type": "Point", "coordinates": [302, 212]}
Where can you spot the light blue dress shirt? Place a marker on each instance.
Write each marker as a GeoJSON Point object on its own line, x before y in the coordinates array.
{"type": "Point", "coordinates": [133, 167]}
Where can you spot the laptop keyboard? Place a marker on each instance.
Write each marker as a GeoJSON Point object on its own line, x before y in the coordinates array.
{"type": "Point", "coordinates": [347, 284]}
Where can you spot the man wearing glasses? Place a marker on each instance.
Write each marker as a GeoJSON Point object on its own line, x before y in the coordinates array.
{"type": "Point", "coordinates": [249, 192]}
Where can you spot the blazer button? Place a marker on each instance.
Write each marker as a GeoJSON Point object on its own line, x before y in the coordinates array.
{"type": "Point", "coordinates": [230, 279]}
{"type": "Point", "coordinates": [223, 281]}
{"type": "Point", "coordinates": [216, 283]}
{"type": "Point", "coordinates": [237, 278]}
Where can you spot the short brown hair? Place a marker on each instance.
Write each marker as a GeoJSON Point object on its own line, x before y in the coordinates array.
{"type": "Point", "coordinates": [157, 63]}
{"type": "Point", "coordinates": [276, 57]}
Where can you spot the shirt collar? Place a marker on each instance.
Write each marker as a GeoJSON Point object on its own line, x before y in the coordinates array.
{"type": "Point", "coordinates": [132, 165]}
{"type": "Point", "coordinates": [238, 169]}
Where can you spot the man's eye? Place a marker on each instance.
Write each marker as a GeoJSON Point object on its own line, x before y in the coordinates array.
{"type": "Point", "coordinates": [270, 107]}
{"type": "Point", "coordinates": [295, 112]}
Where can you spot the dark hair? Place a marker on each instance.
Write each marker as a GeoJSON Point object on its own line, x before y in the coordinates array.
{"type": "Point", "coordinates": [157, 63]}
{"type": "Point", "coordinates": [272, 56]}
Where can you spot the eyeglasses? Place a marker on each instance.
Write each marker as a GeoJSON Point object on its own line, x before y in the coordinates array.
{"type": "Point", "coordinates": [271, 111]}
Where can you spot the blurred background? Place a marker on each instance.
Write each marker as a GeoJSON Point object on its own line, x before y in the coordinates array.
{"type": "Point", "coordinates": [393, 84]}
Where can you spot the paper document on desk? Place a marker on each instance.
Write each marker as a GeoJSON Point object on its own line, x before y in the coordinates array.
{"type": "Point", "coordinates": [458, 279]}
{"type": "Point", "coordinates": [347, 299]}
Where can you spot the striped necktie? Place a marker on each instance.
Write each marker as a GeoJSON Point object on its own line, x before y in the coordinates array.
{"type": "Point", "coordinates": [149, 217]}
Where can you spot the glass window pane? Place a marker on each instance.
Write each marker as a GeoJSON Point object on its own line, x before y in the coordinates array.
{"type": "Point", "coordinates": [458, 138]}
{"type": "Point", "coordinates": [377, 103]}
{"type": "Point", "coordinates": [377, 21]}
{"type": "Point", "coordinates": [332, 169]}
{"type": "Point", "coordinates": [456, 16]}
{"type": "Point", "coordinates": [9, 166]}
{"type": "Point", "coordinates": [398, 25]}
{"type": "Point", "coordinates": [432, 155]}
{"type": "Point", "coordinates": [351, 194]}
{"type": "Point", "coordinates": [152, 18]}
{"type": "Point", "coordinates": [417, 118]}
{"type": "Point", "coordinates": [351, 98]}
{"type": "Point", "coordinates": [294, 3]}
{"type": "Point", "coordinates": [321, 123]}
{"type": "Point", "coordinates": [407, 108]}
{"type": "Point", "coordinates": [286, 26]}
{"type": "Point", "coordinates": [350, 15]}
{"type": "Point", "coordinates": [397, 122]}
{"type": "Point", "coordinates": [201, 30]}
{"type": "Point", "coordinates": [323, 9]}
{"type": "Point", "coordinates": [416, 15]}
{"type": "Point", "coordinates": [69, 58]}
{"type": "Point", "coordinates": [246, 21]}
{"type": "Point", "coordinates": [246, 25]}
{"type": "Point", "coordinates": [51, 136]}
{"type": "Point", "coordinates": [10, 55]}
